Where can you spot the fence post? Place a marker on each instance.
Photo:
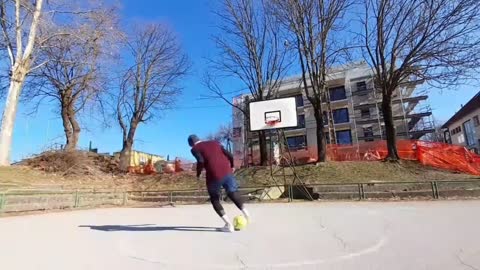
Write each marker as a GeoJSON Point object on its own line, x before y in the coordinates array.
{"type": "Point", "coordinates": [360, 197]}
{"type": "Point", "coordinates": [437, 195]}
{"type": "Point", "coordinates": [361, 190]}
{"type": "Point", "coordinates": [3, 198]}
{"type": "Point", "coordinates": [76, 199]}
{"type": "Point", "coordinates": [434, 194]}
{"type": "Point", "coordinates": [125, 198]}
{"type": "Point", "coordinates": [170, 197]}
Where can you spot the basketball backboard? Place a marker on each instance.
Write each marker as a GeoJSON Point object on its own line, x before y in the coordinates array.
{"type": "Point", "coordinates": [272, 114]}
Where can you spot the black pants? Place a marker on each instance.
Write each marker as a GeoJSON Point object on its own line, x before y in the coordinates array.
{"type": "Point", "coordinates": [229, 183]}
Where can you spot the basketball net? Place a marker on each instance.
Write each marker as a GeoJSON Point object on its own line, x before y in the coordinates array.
{"type": "Point", "coordinates": [272, 123]}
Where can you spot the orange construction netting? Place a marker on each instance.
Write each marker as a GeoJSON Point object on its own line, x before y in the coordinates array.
{"type": "Point", "coordinates": [438, 155]}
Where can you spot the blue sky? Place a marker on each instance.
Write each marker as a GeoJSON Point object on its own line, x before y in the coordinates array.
{"type": "Point", "coordinates": [194, 23]}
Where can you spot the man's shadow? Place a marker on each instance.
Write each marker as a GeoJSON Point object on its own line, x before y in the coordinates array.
{"type": "Point", "coordinates": [148, 228]}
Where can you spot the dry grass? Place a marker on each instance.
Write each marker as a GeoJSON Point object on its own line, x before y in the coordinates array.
{"type": "Point", "coordinates": [354, 172]}
{"type": "Point", "coordinates": [333, 172]}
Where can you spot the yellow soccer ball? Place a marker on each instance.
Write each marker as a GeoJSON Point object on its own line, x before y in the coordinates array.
{"type": "Point", "coordinates": [239, 223]}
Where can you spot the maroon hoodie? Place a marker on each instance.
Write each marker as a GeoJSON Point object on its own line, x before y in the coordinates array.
{"type": "Point", "coordinates": [217, 161]}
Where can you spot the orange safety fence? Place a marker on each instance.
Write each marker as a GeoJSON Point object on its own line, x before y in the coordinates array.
{"type": "Point", "coordinates": [438, 155]}
{"type": "Point", "coordinates": [176, 166]}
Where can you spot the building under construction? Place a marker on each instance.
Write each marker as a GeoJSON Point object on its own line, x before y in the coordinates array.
{"type": "Point", "coordinates": [352, 107]}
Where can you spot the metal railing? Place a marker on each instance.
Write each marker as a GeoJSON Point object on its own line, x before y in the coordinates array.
{"type": "Point", "coordinates": [28, 200]}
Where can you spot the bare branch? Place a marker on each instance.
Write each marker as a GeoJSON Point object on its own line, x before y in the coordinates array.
{"type": "Point", "coordinates": [6, 35]}
{"type": "Point", "coordinates": [72, 64]}
{"type": "Point", "coordinates": [151, 85]}
{"type": "Point", "coordinates": [315, 27]}
{"type": "Point", "coordinates": [436, 41]}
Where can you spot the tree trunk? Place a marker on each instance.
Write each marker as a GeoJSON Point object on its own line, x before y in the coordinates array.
{"type": "Point", "coordinates": [389, 128]}
{"type": "Point", "coordinates": [9, 115]}
{"type": "Point", "coordinates": [262, 142]}
{"type": "Point", "coordinates": [75, 126]}
{"type": "Point", "coordinates": [125, 154]}
{"type": "Point", "coordinates": [68, 130]}
{"type": "Point", "coordinates": [71, 126]}
{"type": "Point", "coordinates": [321, 142]}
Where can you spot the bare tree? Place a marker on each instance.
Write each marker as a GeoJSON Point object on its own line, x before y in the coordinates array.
{"type": "Point", "coordinates": [224, 135]}
{"type": "Point", "coordinates": [19, 21]}
{"type": "Point", "coordinates": [77, 63]}
{"type": "Point", "coordinates": [314, 25]}
{"type": "Point", "coordinates": [253, 51]}
{"type": "Point", "coordinates": [151, 84]}
{"type": "Point", "coordinates": [407, 41]}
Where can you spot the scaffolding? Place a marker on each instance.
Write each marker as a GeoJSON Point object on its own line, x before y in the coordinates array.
{"type": "Point", "coordinates": [417, 121]}
{"type": "Point", "coordinates": [412, 115]}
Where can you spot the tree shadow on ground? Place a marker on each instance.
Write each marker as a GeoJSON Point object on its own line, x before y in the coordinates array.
{"type": "Point", "coordinates": [148, 228]}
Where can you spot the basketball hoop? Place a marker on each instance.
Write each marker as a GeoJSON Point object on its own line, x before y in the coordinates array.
{"type": "Point", "coordinates": [272, 123]}
{"type": "Point", "coordinates": [273, 114]}
{"type": "Point", "coordinates": [272, 120]}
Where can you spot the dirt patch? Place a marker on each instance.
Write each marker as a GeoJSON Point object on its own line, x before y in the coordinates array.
{"type": "Point", "coordinates": [68, 163]}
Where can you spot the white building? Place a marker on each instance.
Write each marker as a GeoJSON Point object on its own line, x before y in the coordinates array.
{"type": "Point", "coordinates": [355, 108]}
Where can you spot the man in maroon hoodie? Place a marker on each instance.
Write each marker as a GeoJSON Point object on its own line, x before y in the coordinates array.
{"type": "Point", "coordinates": [218, 164]}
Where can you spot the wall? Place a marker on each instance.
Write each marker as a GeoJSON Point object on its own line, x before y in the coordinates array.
{"type": "Point", "coordinates": [138, 158]}
{"type": "Point", "coordinates": [460, 138]}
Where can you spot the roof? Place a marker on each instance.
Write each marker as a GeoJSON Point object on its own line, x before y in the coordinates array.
{"type": "Point", "coordinates": [471, 105]}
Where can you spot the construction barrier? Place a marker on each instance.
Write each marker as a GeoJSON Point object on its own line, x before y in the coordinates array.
{"type": "Point", "coordinates": [438, 155]}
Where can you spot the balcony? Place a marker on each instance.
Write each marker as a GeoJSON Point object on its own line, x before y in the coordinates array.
{"type": "Point", "coordinates": [374, 120]}
{"type": "Point", "coordinates": [414, 134]}
{"type": "Point", "coordinates": [412, 102]}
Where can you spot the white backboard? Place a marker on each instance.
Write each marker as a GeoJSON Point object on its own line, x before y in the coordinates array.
{"type": "Point", "coordinates": [283, 109]}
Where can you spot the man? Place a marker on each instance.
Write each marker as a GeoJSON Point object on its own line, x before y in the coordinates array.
{"type": "Point", "coordinates": [218, 164]}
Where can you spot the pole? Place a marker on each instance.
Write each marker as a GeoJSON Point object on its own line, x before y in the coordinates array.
{"type": "Point", "coordinates": [3, 198]}
{"type": "Point", "coordinates": [125, 198]}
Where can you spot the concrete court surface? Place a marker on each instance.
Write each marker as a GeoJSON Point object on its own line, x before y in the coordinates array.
{"type": "Point", "coordinates": [336, 235]}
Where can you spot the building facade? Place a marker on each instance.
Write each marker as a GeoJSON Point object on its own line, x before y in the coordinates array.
{"type": "Point", "coordinates": [355, 111]}
{"type": "Point", "coordinates": [138, 158]}
{"type": "Point", "coordinates": [463, 128]}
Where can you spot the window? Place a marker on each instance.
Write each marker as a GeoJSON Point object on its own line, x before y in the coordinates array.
{"type": "Point", "coordinates": [469, 133]}
{"type": "Point", "coordinates": [300, 122]}
{"type": "Point", "coordinates": [297, 142]}
{"type": "Point", "coordinates": [368, 134]}
{"type": "Point", "coordinates": [361, 86]}
{"type": "Point", "coordinates": [344, 137]}
{"type": "Point", "coordinates": [476, 121]}
{"type": "Point", "coordinates": [456, 130]}
{"type": "Point", "coordinates": [341, 116]}
{"type": "Point", "coordinates": [337, 93]}
{"type": "Point", "coordinates": [365, 113]}
{"type": "Point", "coordinates": [325, 118]}
{"type": "Point", "coordinates": [299, 100]}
